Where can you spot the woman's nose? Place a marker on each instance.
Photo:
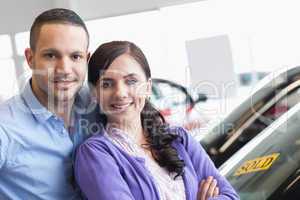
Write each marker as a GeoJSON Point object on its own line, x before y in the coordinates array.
{"type": "Point", "coordinates": [121, 90]}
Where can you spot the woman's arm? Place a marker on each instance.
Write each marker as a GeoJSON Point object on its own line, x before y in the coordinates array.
{"type": "Point", "coordinates": [204, 167]}
{"type": "Point", "coordinates": [98, 174]}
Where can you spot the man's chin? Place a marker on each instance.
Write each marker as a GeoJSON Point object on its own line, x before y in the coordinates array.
{"type": "Point", "coordinates": [65, 95]}
{"type": "Point", "coordinates": [62, 99]}
{"type": "Point", "coordinates": [65, 98]}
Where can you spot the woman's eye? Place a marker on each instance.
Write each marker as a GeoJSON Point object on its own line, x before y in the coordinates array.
{"type": "Point", "coordinates": [106, 84]}
{"type": "Point", "coordinates": [131, 81]}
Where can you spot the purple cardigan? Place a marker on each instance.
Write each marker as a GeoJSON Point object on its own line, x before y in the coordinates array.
{"type": "Point", "coordinates": [104, 171]}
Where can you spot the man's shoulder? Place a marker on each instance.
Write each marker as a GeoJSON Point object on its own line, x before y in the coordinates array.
{"type": "Point", "coordinates": [7, 107]}
{"type": "Point", "coordinates": [11, 109]}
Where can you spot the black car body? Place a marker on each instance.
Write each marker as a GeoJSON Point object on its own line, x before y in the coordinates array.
{"type": "Point", "coordinates": [273, 96]}
{"type": "Point", "coordinates": [268, 167]}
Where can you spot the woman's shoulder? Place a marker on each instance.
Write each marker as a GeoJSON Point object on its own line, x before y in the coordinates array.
{"type": "Point", "coordinates": [185, 138]}
{"type": "Point", "coordinates": [181, 133]}
{"type": "Point", "coordinates": [97, 142]}
{"type": "Point", "coordinates": [178, 130]}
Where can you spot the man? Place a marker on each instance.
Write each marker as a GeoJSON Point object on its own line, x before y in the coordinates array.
{"type": "Point", "coordinates": [39, 128]}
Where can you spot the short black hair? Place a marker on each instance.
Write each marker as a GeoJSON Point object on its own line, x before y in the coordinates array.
{"type": "Point", "coordinates": [55, 16]}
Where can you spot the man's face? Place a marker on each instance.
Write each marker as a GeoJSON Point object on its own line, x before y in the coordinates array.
{"type": "Point", "coordinates": [59, 62]}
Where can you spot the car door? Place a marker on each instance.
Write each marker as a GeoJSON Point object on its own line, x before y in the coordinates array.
{"type": "Point", "coordinates": [253, 115]}
{"type": "Point", "coordinates": [267, 168]}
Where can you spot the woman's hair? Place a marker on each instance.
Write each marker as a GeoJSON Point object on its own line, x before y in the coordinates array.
{"type": "Point", "coordinates": [157, 131]}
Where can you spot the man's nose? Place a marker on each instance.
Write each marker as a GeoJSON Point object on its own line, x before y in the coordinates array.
{"type": "Point", "coordinates": [64, 66]}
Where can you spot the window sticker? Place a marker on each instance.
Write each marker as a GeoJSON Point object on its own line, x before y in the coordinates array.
{"type": "Point", "coordinates": [257, 164]}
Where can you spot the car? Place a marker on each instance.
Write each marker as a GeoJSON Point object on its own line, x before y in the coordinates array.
{"type": "Point", "coordinates": [177, 105]}
{"type": "Point", "coordinates": [273, 96]}
{"type": "Point", "coordinates": [268, 167]}
{"type": "Point", "coordinates": [247, 78]}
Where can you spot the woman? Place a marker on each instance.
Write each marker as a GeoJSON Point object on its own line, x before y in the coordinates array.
{"type": "Point", "coordinates": [136, 155]}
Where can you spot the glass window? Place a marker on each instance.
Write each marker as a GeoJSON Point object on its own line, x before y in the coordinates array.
{"type": "Point", "coordinates": [22, 42]}
{"type": "Point", "coordinates": [5, 47]}
{"type": "Point", "coordinates": [272, 159]}
{"type": "Point", "coordinates": [9, 85]}
{"type": "Point", "coordinates": [254, 45]}
{"type": "Point", "coordinates": [169, 95]}
{"type": "Point", "coordinates": [27, 71]}
{"type": "Point", "coordinates": [148, 31]}
{"type": "Point", "coordinates": [162, 34]}
{"type": "Point", "coordinates": [258, 117]}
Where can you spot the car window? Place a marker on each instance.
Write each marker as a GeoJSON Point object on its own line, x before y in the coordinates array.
{"type": "Point", "coordinates": [269, 163]}
{"type": "Point", "coordinates": [273, 113]}
{"type": "Point", "coordinates": [289, 189]}
{"type": "Point", "coordinates": [262, 115]}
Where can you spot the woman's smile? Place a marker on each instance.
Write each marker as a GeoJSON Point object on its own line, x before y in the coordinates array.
{"type": "Point", "coordinates": [120, 106]}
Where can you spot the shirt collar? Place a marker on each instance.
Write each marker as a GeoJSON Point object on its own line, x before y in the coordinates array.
{"type": "Point", "coordinates": [40, 112]}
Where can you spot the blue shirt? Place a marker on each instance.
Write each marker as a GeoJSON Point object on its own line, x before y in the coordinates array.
{"type": "Point", "coordinates": [36, 151]}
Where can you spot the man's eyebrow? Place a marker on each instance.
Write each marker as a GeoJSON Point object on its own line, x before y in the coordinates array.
{"type": "Point", "coordinates": [77, 52]}
{"type": "Point", "coordinates": [130, 75]}
{"type": "Point", "coordinates": [50, 50]}
{"type": "Point", "coordinates": [56, 51]}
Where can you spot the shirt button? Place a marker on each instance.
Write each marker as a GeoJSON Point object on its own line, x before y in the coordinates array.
{"type": "Point", "coordinates": [63, 131]}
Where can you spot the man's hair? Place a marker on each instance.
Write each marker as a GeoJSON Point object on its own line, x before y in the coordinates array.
{"type": "Point", "coordinates": [54, 16]}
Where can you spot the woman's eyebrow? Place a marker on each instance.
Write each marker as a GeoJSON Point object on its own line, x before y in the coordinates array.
{"type": "Point", "coordinates": [105, 79]}
{"type": "Point", "coordinates": [125, 76]}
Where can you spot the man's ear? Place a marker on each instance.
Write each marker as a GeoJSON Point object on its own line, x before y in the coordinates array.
{"type": "Point", "coordinates": [88, 56]}
{"type": "Point", "coordinates": [29, 57]}
{"type": "Point", "coordinates": [94, 94]}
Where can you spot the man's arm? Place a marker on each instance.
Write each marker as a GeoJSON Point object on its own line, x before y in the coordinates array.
{"type": "Point", "coordinates": [3, 146]}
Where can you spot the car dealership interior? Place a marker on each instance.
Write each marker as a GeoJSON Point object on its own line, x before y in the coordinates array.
{"type": "Point", "coordinates": [228, 71]}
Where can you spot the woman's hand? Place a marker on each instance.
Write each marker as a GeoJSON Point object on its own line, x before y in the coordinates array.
{"type": "Point", "coordinates": [208, 188]}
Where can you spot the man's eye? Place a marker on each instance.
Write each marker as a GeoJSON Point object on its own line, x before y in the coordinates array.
{"type": "Point", "coordinates": [49, 55]}
{"type": "Point", "coordinates": [76, 57]}
{"type": "Point", "coordinates": [131, 81]}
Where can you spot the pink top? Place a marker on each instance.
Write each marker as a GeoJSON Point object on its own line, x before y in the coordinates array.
{"type": "Point", "coordinates": [169, 189]}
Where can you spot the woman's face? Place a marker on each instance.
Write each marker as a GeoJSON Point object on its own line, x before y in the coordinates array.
{"type": "Point", "coordinates": [122, 90]}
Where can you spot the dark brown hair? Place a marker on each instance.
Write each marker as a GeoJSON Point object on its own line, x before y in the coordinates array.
{"type": "Point", "coordinates": [54, 16]}
{"type": "Point", "coordinates": [158, 134]}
